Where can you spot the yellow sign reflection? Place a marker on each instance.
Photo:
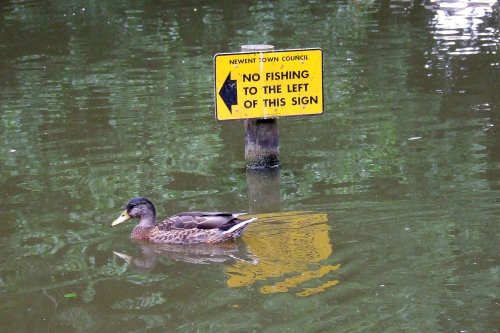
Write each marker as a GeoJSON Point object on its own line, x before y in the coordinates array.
{"type": "Point", "coordinates": [290, 248]}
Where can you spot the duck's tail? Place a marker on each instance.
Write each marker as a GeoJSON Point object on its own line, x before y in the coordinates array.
{"type": "Point", "coordinates": [238, 228]}
{"type": "Point", "coordinates": [124, 256]}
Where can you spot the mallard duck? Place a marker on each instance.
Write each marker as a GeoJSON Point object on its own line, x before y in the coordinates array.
{"type": "Point", "coordinates": [183, 228]}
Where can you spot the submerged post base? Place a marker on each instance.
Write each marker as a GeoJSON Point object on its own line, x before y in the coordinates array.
{"type": "Point", "coordinates": [264, 195]}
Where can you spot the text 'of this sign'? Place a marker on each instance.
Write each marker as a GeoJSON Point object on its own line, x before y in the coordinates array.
{"type": "Point", "coordinates": [268, 84]}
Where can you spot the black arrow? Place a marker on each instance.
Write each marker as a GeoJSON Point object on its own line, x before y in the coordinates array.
{"type": "Point", "coordinates": [229, 92]}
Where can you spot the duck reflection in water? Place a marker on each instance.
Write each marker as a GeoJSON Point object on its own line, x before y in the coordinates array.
{"type": "Point", "coordinates": [192, 253]}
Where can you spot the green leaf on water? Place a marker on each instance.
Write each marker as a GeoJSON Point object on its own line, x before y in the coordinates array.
{"type": "Point", "coordinates": [70, 295]}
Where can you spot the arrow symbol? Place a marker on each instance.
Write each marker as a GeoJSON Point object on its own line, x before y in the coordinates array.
{"type": "Point", "coordinates": [229, 92]}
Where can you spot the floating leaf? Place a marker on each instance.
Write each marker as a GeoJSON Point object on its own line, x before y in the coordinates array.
{"type": "Point", "coordinates": [70, 295]}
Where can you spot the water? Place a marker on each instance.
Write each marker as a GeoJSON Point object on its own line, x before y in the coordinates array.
{"type": "Point", "coordinates": [383, 217]}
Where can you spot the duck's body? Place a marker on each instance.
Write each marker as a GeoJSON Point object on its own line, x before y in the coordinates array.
{"type": "Point", "coordinates": [183, 228]}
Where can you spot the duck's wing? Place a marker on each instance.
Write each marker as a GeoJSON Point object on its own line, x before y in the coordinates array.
{"type": "Point", "coordinates": [199, 220]}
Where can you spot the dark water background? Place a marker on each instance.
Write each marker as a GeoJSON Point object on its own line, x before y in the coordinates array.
{"type": "Point", "coordinates": [389, 202]}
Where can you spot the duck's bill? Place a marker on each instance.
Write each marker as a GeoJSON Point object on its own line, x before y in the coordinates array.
{"type": "Point", "coordinates": [124, 217]}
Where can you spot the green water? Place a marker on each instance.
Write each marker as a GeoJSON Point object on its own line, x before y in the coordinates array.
{"type": "Point", "coordinates": [383, 218]}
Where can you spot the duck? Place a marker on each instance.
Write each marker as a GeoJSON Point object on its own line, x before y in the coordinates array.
{"type": "Point", "coordinates": [182, 228]}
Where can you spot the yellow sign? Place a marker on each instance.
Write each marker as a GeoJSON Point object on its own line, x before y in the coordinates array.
{"type": "Point", "coordinates": [268, 84]}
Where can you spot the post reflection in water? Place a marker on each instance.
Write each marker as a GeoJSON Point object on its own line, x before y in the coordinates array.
{"type": "Point", "coordinates": [291, 248]}
{"type": "Point", "coordinates": [263, 191]}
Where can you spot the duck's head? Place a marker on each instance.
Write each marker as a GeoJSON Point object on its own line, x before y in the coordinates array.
{"type": "Point", "coordinates": [140, 208]}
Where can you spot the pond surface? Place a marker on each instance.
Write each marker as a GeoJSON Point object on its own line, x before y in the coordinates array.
{"type": "Point", "coordinates": [383, 217]}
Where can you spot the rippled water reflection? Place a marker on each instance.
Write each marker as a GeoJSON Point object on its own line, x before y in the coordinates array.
{"type": "Point", "coordinates": [290, 249]}
{"type": "Point", "coordinates": [383, 217]}
{"type": "Point", "coordinates": [461, 27]}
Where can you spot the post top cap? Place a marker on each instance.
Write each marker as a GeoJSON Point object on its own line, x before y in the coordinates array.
{"type": "Point", "coordinates": [257, 47]}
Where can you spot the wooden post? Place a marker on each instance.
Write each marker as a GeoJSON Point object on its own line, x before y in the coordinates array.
{"type": "Point", "coordinates": [261, 135]}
